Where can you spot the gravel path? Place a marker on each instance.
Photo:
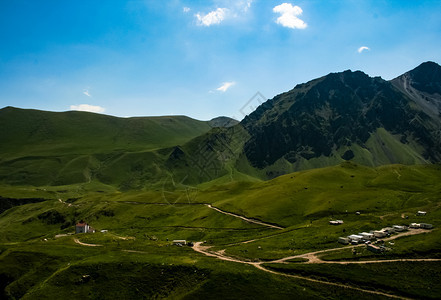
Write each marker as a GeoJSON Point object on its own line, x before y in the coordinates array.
{"type": "Point", "coordinates": [313, 258]}
{"type": "Point", "coordinates": [243, 218]}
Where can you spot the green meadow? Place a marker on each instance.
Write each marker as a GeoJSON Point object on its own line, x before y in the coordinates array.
{"type": "Point", "coordinates": [135, 258]}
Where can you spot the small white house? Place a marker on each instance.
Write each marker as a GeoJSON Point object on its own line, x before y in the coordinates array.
{"type": "Point", "coordinates": [336, 222]}
{"type": "Point", "coordinates": [379, 233]}
{"type": "Point", "coordinates": [81, 227]}
{"type": "Point", "coordinates": [366, 235]}
{"type": "Point", "coordinates": [415, 225]}
{"type": "Point", "coordinates": [354, 237]}
{"type": "Point", "coordinates": [389, 230]}
{"type": "Point", "coordinates": [179, 242]}
{"type": "Point", "coordinates": [421, 213]}
{"type": "Point", "coordinates": [426, 226]}
{"type": "Point", "coordinates": [399, 228]}
{"type": "Point", "coordinates": [343, 240]}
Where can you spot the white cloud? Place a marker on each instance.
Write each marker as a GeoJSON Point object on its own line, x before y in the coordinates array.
{"type": "Point", "coordinates": [232, 9]}
{"type": "Point", "coordinates": [213, 17]}
{"type": "Point", "coordinates": [88, 107]}
{"type": "Point", "coordinates": [362, 48]}
{"type": "Point", "coordinates": [186, 9]}
{"type": "Point", "coordinates": [86, 92]}
{"type": "Point", "coordinates": [289, 16]}
{"type": "Point", "coordinates": [246, 5]}
{"type": "Point", "coordinates": [225, 86]}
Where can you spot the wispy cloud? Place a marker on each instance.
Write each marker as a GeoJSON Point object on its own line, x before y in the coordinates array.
{"type": "Point", "coordinates": [244, 5]}
{"type": "Point", "coordinates": [225, 86]}
{"type": "Point", "coordinates": [88, 107]}
{"type": "Point", "coordinates": [186, 9]}
{"type": "Point", "coordinates": [87, 93]}
{"type": "Point", "coordinates": [232, 9]}
{"type": "Point", "coordinates": [213, 17]}
{"type": "Point", "coordinates": [363, 48]}
{"type": "Point", "coordinates": [289, 16]}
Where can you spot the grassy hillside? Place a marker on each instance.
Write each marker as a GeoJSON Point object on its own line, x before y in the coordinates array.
{"type": "Point", "coordinates": [47, 148]}
{"type": "Point", "coordinates": [134, 257]}
{"type": "Point", "coordinates": [41, 133]}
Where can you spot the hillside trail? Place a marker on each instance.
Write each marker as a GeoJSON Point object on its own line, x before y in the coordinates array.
{"type": "Point", "coordinates": [84, 244]}
{"type": "Point", "coordinates": [249, 220]}
{"type": "Point", "coordinates": [204, 250]}
{"type": "Point", "coordinates": [345, 286]}
{"type": "Point", "coordinates": [314, 259]}
{"type": "Point", "coordinates": [244, 218]}
{"type": "Point", "coordinates": [311, 256]}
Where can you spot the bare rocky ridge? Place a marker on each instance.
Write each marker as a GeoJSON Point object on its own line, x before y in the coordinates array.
{"type": "Point", "coordinates": [350, 115]}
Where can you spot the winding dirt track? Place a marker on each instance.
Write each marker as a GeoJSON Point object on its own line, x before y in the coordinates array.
{"type": "Point", "coordinates": [260, 267]}
{"type": "Point", "coordinates": [314, 259]}
{"type": "Point", "coordinates": [84, 244]}
{"type": "Point", "coordinates": [244, 218]}
{"type": "Point", "coordinates": [311, 256]}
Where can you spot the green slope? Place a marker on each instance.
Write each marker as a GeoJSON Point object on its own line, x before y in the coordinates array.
{"type": "Point", "coordinates": [144, 222]}
{"type": "Point", "coordinates": [42, 133]}
{"type": "Point", "coordinates": [47, 148]}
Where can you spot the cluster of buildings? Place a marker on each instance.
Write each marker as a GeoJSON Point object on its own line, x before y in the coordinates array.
{"type": "Point", "coordinates": [367, 237]}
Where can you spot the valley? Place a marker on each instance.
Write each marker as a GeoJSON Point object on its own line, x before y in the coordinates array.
{"type": "Point", "coordinates": [300, 199]}
{"type": "Point", "coordinates": [139, 228]}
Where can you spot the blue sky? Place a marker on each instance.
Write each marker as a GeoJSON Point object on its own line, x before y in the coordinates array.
{"type": "Point", "coordinates": [199, 58]}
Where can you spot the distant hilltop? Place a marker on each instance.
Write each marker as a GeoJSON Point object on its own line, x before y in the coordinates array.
{"type": "Point", "coordinates": [338, 117]}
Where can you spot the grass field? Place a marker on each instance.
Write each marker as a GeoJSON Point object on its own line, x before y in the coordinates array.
{"type": "Point", "coordinates": [135, 258]}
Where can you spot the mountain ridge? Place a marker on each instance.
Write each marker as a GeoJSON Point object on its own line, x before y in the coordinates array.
{"type": "Point", "coordinates": [341, 116]}
{"type": "Point", "coordinates": [313, 119]}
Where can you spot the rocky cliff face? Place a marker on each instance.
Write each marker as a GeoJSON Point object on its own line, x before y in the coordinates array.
{"type": "Point", "coordinates": [340, 110]}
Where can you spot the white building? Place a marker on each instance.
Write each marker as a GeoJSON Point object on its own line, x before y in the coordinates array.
{"type": "Point", "coordinates": [343, 240]}
{"type": "Point", "coordinates": [336, 222]}
{"type": "Point", "coordinates": [389, 230]}
{"type": "Point", "coordinates": [421, 213]}
{"type": "Point", "coordinates": [179, 242]}
{"type": "Point", "coordinates": [379, 233]}
{"type": "Point", "coordinates": [354, 237]}
{"type": "Point", "coordinates": [426, 226]}
{"type": "Point", "coordinates": [83, 227]}
{"type": "Point", "coordinates": [399, 228]}
{"type": "Point", "coordinates": [366, 235]}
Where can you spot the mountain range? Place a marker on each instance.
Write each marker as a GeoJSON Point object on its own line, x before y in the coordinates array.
{"type": "Point", "coordinates": [338, 117]}
{"type": "Point", "coordinates": [149, 185]}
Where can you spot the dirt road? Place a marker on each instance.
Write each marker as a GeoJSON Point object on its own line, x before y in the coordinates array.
{"type": "Point", "coordinates": [345, 286]}
{"type": "Point", "coordinates": [84, 244]}
{"type": "Point", "coordinates": [204, 250]}
{"type": "Point", "coordinates": [313, 258]}
{"type": "Point", "coordinates": [243, 218]}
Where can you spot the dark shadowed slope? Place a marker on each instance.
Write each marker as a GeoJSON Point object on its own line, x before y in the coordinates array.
{"type": "Point", "coordinates": [344, 116]}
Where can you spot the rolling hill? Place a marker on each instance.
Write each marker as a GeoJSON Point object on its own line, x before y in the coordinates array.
{"type": "Point", "coordinates": [338, 117]}
{"type": "Point", "coordinates": [41, 133]}
{"type": "Point", "coordinates": [52, 148]}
